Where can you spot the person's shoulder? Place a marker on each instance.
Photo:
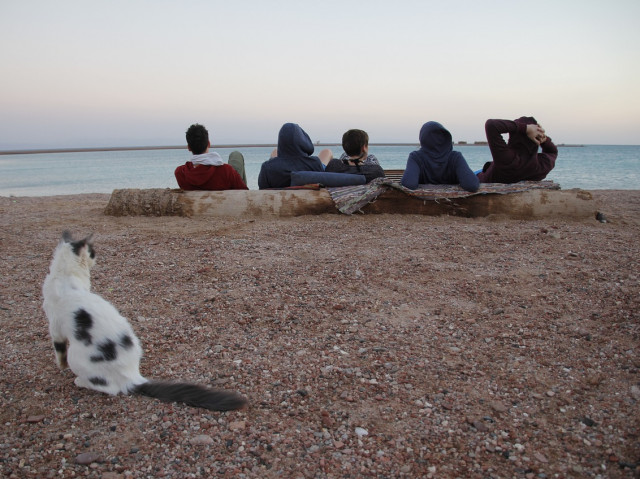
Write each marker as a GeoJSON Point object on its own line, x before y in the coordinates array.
{"type": "Point", "coordinates": [415, 155]}
{"type": "Point", "coordinates": [371, 160]}
{"type": "Point", "coordinates": [181, 168]}
{"type": "Point", "coordinates": [334, 163]}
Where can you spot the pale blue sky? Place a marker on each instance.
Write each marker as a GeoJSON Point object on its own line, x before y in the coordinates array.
{"type": "Point", "coordinates": [138, 72]}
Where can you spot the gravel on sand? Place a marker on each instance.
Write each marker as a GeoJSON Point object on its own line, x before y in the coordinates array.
{"type": "Point", "coordinates": [368, 346]}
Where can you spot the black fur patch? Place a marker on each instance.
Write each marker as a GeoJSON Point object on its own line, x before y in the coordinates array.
{"type": "Point", "coordinates": [107, 352]}
{"type": "Point", "coordinates": [60, 347]}
{"type": "Point", "coordinates": [97, 381]}
{"type": "Point", "coordinates": [84, 322]}
{"type": "Point", "coordinates": [126, 342]}
{"type": "Point", "coordinates": [77, 246]}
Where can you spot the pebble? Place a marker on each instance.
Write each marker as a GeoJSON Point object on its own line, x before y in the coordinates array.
{"type": "Point", "coordinates": [540, 457]}
{"type": "Point", "coordinates": [498, 406]}
{"type": "Point", "coordinates": [87, 458]}
{"type": "Point", "coordinates": [237, 425]}
{"type": "Point", "coordinates": [480, 425]}
{"type": "Point", "coordinates": [201, 440]}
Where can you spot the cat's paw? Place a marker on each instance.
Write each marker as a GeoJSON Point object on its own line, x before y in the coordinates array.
{"type": "Point", "coordinates": [81, 383]}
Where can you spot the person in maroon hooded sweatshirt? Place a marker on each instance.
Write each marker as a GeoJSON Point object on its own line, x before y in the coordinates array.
{"type": "Point", "coordinates": [207, 170]}
{"type": "Point", "coordinates": [518, 159]}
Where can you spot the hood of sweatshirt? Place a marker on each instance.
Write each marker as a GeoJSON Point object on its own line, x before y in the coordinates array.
{"type": "Point", "coordinates": [435, 140]}
{"type": "Point", "coordinates": [293, 141]}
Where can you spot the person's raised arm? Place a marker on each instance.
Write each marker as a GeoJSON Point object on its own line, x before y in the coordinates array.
{"type": "Point", "coordinates": [494, 129]}
{"type": "Point", "coordinates": [547, 159]}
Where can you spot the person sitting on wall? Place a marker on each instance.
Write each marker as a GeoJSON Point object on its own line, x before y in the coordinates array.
{"type": "Point", "coordinates": [356, 158]}
{"type": "Point", "coordinates": [292, 154]}
{"type": "Point", "coordinates": [436, 162]}
{"type": "Point", "coordinates": [206, 170]}
{"type": "Point", "coordinates": [518, 159]}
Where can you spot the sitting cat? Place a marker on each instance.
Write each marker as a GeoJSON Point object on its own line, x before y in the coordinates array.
{"type": "Point", "coordinates": [91, 337]}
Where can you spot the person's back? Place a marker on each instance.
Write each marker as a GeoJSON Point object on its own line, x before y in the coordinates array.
{"type": "Point", "coordinates": [518, 159]}
{"type": "Point", "coordinates": [293, 154]}
{"type": "Point", "coordinates": [217, 177]}
{"type": "Point", "coordinates": [436, 162]}
{"type": "Point", "coordinates": [206, 170]}
{"type": "Point", "coordinates": [356, 159]}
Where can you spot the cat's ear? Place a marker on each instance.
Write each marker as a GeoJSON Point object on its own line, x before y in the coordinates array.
{"type": "Point", "coordinates": [66, 236]}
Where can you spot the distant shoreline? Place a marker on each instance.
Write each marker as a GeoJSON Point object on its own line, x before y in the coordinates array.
{"type": "Point", "coordinates": [184, 147]}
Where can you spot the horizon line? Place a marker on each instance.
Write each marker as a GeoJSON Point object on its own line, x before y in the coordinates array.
{"type": "Point", "coordinates": [236, 145]}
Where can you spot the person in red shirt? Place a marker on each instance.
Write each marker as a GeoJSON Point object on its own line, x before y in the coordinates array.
{"type": "Point", "coordinates": [206, 170]}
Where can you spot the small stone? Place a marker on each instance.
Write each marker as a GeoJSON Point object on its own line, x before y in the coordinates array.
{"type": "Point", "coordinates": [35, 419]}
{"type": "Point", "coordinates": [540, 457]}
{"type": "Point", "coordinates": [237, 425]}
{"type": "Point", "coordinates": [635, 392]}
{"type": "Point", "coordinates": [480, 426]}
{"type": "Point", "coordinates": [201, 440]}
{"type": "Point", "coordinates": [498, 406]}
{"type": "Point", "coordinates": [588, 421]}
{"type": "Point", "coordinates": [361, 432]}
{"type": "Point", "coordinates": [87, 458]}
{"type": "Point", "coordinates": [328, 422]}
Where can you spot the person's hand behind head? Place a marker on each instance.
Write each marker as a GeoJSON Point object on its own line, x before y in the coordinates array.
{"type": "Point", "coordinates": [536, 133]}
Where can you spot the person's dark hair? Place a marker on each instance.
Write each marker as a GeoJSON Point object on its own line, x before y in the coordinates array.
{"type": "Point", "coordinates": [197, 139]}
{"type": "Point", "coordinates": [353, 141]}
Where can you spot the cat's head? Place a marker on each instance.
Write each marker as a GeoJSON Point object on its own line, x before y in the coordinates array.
{"type": "Point", "coordinates": [79, 251]}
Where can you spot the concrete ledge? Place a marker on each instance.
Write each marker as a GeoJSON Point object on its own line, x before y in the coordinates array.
{"type": "Point", "coordinates": [530, 204]}
{"type": "Point", "coordinates": [540, 203]}
{"type": "Point", "coordinates": [167, 202]}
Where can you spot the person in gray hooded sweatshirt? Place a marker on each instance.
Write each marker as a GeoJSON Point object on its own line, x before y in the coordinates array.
{"type": "Point", "coordinates": [293, 154]}
{"type": "Point", "coordinates": [436, 162]}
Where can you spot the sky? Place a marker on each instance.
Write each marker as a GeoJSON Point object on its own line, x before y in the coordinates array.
{"type": "Point", "coordinates": [89, 73]}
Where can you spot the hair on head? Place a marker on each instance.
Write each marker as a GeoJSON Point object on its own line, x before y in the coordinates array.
{"type": "Point", "coordinates": [197, 139]}
{"type": "Point", "coordinates": [353, 141]}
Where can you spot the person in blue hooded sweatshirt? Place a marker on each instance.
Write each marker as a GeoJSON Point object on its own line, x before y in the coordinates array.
{"type": "Point", "coordinates": [436, 162]}
{"type": "Point", "coordinates": [293, 154]}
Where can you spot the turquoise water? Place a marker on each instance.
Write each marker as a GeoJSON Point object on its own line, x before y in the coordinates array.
{"type": "Point", "coordinates": [588, 167]}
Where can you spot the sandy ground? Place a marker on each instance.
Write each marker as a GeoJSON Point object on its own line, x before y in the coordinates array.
{"type": "Point", "coordinates": [368, 346]}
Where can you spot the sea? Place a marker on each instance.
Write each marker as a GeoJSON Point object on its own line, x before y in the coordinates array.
{"type": "Point", "coordinates": [589, 167]}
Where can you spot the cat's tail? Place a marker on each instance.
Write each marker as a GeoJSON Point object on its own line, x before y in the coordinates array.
{"type": "Point", "coordinates": [192, 395]}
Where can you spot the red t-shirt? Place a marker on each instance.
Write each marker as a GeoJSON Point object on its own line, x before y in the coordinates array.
{"type": "Point", "coordinates": [206, 177]}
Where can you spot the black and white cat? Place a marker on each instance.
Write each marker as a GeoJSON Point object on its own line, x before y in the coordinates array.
{"type": "Point", "coordinates": [92, 338]}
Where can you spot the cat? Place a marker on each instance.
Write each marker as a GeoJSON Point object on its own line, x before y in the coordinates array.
{"type": "Point", "coordinates": [92, 338]}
